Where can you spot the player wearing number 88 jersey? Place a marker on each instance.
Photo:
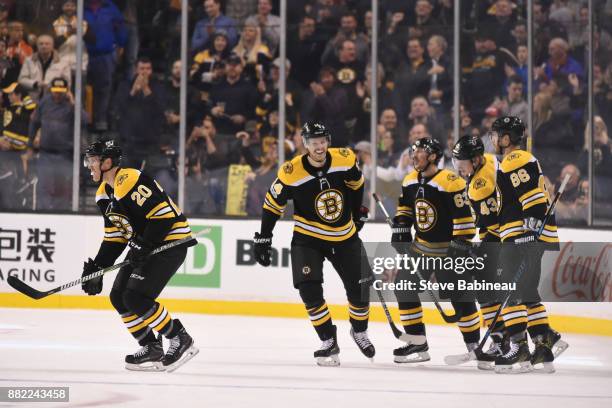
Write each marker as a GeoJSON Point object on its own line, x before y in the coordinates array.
{"type": "Point", "coordinates": [139, 214]}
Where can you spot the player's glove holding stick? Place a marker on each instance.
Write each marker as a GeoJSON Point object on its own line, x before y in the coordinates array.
{"type": "Point", "coordinates": [360, 218]}
{"type": "Point", "coordinates": [93, 286]}
{"type": "Point", "coordinates": [140, 250]}
{"type": "Point", "coordinates": [262, 248]}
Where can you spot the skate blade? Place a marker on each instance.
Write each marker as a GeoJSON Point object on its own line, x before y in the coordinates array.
{"type": "Point", "coordinates": [420, 357]}
{"type": "Point", "coordinates": [417, 339]}
{"type": "Point", "coordinates": [331, 361]}
{"type": "Point", "coordinates": [486, 365]}
{"type": "Point", "coordinates": [155, 366]}
{"type": "Point", "coordinates": [458, 359]}
{"type": "Point", "coordinates": [189, 354]}
{"type": "Point", "coordinates": [523, 367]}
{"type": "Point", "coordinates": [559, 347]}
{"type": "Point", "coordinates": [544, 368]}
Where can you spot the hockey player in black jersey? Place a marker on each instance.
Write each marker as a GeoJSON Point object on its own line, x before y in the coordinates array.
{"type": "Point", "coordinates": [433, 201]}
{"type": "Point", "coordinates": [524, 202]}
{"type": "Point", "coordinates": [480, 172]}
{"type": "Point", "coordinates": [326, 187]}
{"type": "Point", "coordinates": [139, 214]}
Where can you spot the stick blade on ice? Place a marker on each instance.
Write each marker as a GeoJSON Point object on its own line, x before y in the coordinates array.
{"type": "Point", "coordinates": [24, 288]}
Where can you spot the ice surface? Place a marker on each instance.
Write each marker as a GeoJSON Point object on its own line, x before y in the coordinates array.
{"type": "Point", "coordinates": [267, 362]}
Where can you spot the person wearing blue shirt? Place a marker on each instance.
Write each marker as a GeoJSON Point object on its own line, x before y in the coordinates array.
{"type": "Point", "coordinates": [214, 21]}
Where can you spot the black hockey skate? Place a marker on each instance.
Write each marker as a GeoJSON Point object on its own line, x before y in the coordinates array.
{"type": "Point", "coordinates": [181, 349]}
{"type": "Point", "coordinates": [148, 358]}
{"type": "Point", "coordinates": [411, 353]}
{"type": "Point", "coordinates": [517, 354]}
{"type": "Point", "coordinates": [552, 340]}
{"type": "Point", "coordinates": [486, 359]}
{"type": "Point", "coordinates": [364, 343]}
{"type": "Point", "coordinates": [542, 357]}
{"type": "Point", "coordinates": [327, 355]}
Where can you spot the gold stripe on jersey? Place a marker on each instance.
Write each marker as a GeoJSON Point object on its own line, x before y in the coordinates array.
{"type": "Point", "coordinates": [129, 318]}
{"type": "Point", "coordinates": [355, 185]}
{"type": "Point", "coordinates": [271, 205]}
{"type": "Point", "coordinates": [404, 210]}
{"type": "Point", "coordinates": [469, 323]}
{"type": "Point", "coordinates": [511, 229]}
{"type": "Point", "coordinates": [322, 231]}
{"type": "Point", "coordinates": [178, 230]}
{"type": "Point", "coordinates": [448, 181]}
{"type": "Point", "coordinates": [516, 160]}
{"type": "Point", "coordinates": [113, 234]}
{"type": "Point", "coordinates": [411, 178]}
{"type": "Point", "coordinates": [161, 211]}
{"type": "Point", "coordinates": [514, 315]}
{"type": "Point", "coordinates": [19, 141]}
{"type": "Point", "coordinates": [533, 197]}
{"type": "Point", "coordinates": [537, 315]}
{"type": "Point", "coordinates": [101, 192]}
{"type": "Point", "coordinates": [430, 248]}
{"type": "Point", "coordinates": [359, 313]}
{"type": "Point", "coordinates": [464, 226]}
{"type": "Point", "coordinates": [125, 180]}
{"type": "Point", "coordinates": [293, 173]}
{"type": "Point", "coordinates": [342, 159]}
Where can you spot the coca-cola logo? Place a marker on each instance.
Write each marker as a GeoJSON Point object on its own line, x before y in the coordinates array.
{"type": "Point", "coordinates": [581, 273]}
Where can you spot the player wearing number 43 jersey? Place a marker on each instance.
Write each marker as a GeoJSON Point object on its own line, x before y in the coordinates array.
{"type": "Point", "coordinates": [433, 201]}
{"type": "Point", "coordinates": [326, 187]}
{"type": "Point", "coordinates": [139, 214]}
{"type": "Point", "coordinates": [522, 208]}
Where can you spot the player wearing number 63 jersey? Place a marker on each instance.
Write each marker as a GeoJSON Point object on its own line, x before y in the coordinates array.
{"type": "Point", "coordinates": [433, 201]}
{"type": "Point", "coordinates": [522, 208]}
{"type": "Point", "coordinates": [139, 214]}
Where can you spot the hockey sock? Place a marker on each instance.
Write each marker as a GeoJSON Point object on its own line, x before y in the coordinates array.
{"type": "Point", "coordinates": [469, 323]}
{"type": "Point", "coordinates": [359, 314]}
{"type": "Point", "coordinates": [138, 328]}
{"type": "Point", "coordinates": [159, 320]}
{"type": "Point", "coordinates": [537, 320]}
{"type": "Point", "coordinates": [488, 313]}
{"type": "Point", "coordinates": [321, 320]}
{"type": "Point", "coordinates": [411, 315]}
{"type": "Point", "coordinates": [515, 319]}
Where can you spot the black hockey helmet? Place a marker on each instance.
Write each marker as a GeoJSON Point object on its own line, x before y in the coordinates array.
{"type": "Point", "coordinates": [431, 146]}
{"type": "Point", "coordinates": [511, 126]}
{"type": "Point", "coordinates": [313, 129]}
{"type": "Point", "coordinates": [106, 149]}
{"type": "Point", "coordinates": [468, 147]}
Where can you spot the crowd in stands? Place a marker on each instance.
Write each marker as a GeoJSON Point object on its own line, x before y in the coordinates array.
{"type": "Point", "coordinates": [132, 70]}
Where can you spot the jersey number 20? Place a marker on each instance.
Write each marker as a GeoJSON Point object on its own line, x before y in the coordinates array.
{"type": "Point", "coordinates": [141, 194]}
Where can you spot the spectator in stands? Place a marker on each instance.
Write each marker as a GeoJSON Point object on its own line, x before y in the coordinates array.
{"type": "Point", "coordinates": [17, 45]}
{"type": "Point", "coordinates": [204, 151]}
{"type": "Point", "coordinates": [327, 14]}
{"type": "Point", "coordinates": [52, 129]}
{"type": "Point", "coordinates": [140, 111]}
{"type": "Point", "coordinates": [202, 73]}
{"type": "Point", "coordinates": [421, 113]}
{"type": "Point", "coordinates": [602, 156]}
{"type": "Point", "coordinates": [514, 103]}
{"type": "Point", "coordinates": [260, 180]}
{"type": "Point", "coordinates": [560, 61]}
{"type": "Point", "coordinates": [43, 66]}
{"type": "Point", "coordinates": [545, 30]}
{"type": "Point", "coordinates": [268, 23]}
{"type": "Point", "coordinates": [519, 32]}
{"type": "Point", "coordinates": [425, 24]}
{"type": "Point", "coordinates": [214, 21]}
{"type": "Point", "coordinates": [347, 31]}
{"type": "Point", "coordinates": [502, 21]}
{"type": "Point", "coordinates": [439, 72]}
{"type": "Point", "coordinates": [233, 99]}
{"type": "Point", "coordinates": [6, 65]}
{"type": "Point", "coordinates": [411, 78]}
{"type": "Point", "coordinates": [104, 46]}
{"type": "Point", "coordinates": [255, 54]}
{"type": "Point", "coordinates": [388, 119]}
{"type": "Point", "coordinates": [65, 29]}
{"type": "Point", "coordinates": [484, 77]}
{"type": "Point", "coordinates": [172, 94]}
{"type": "Point", "coordinates": [305, 52]}
{"type": "Point", "coordinates": [417, 132]}
{"type": "Point", "coordinates": [330, 104]}
{"type": "Point", "coordinates": [572, 206]}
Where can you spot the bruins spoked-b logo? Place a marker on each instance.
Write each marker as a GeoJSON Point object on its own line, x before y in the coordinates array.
{"type": "Point", "coordinates": [425, 215]}
{"type": "Point", "coordinates": [123, 224]}
{"type": "Point", "coordinates": [329, 205]}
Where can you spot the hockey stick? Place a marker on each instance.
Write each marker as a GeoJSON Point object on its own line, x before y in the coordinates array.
{"type": "Point", "coordinates": [447, 318]}
{"type": "Point", "coordinates": [27, 290]}
{"type": "Point", "coordinates": [464, 358]}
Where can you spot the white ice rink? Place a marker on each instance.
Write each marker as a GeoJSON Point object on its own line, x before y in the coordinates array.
{"type": "Point", "coordinates": [267, 362]}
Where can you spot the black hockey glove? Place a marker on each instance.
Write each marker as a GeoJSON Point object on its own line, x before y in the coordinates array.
{"type": "Point", "coordinates": [140, 250]}
{"type": "Point", "coordinates": [401, 234]}
{"type": "Point", "coordinates": [360, 218]}
{"type": "Point", "coordinates": [93, 286]}
{"type": "Point", "coordinates": [262, 249]}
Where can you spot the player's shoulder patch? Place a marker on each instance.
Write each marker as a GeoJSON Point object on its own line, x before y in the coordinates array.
{"type": "Point", "coordinates": [292, 171]}
{"type": "Point", "coordinates": [483, 183]}
{"type": "Point", "coordinates": [125, 180]}
{"type": "Point", "coordinates": [101, 192]}
{"type": "Point", "coordinates": [516, 160]}
{"type": "Point", "coordinates": [342, 157]}
{"type": "Point", "coordinates": [449, 181]}
{"type": "Point", "coordinates": [410, 178]}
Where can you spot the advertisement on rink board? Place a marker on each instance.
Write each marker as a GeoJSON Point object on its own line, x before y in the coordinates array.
{"type": "Point", "coordinates": [48, 250]}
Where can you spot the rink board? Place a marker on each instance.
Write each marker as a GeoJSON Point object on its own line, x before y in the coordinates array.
{"type": "Point", "coordinates": [219, 275]}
